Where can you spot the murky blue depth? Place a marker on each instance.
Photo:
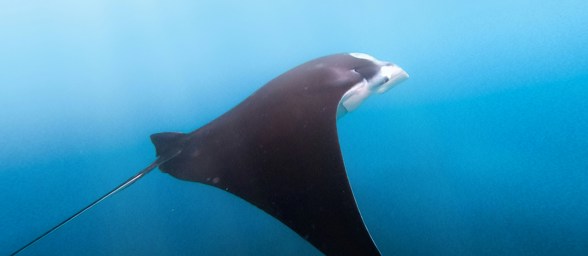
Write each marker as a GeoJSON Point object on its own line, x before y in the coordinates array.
{"type": "Point", "coordinates": [483, 151]}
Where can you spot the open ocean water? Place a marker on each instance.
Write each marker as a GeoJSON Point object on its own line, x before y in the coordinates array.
{"type": "Point", "coordinates": [483, 151]}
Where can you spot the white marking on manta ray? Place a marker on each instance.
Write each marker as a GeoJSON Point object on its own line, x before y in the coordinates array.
{"type": "Point", "coordinates": [388, 76]}
{"type": "Point", "coordinates": [363, 56]}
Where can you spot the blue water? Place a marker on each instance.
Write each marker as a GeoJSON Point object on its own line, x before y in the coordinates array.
{"type": "Point", "coordinates": [483, 151]}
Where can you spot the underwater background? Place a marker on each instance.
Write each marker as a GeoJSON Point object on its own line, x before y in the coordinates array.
{"type": "Point", "coordinates": [483, 151]}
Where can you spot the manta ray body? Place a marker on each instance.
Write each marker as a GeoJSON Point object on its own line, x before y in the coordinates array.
{"type": "Point", "coordinates": [279, 150]}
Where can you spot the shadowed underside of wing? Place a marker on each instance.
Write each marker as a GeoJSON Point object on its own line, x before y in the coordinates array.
{"type": "Point", "coordinates": [282, 155]}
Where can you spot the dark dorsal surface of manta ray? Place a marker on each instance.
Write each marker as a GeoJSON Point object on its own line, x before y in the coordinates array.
{"type": "Point", "coordinates": [279, 150]}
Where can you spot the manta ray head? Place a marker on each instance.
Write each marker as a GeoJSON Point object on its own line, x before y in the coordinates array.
{"type": "Point", "coordinates": [378, 77]}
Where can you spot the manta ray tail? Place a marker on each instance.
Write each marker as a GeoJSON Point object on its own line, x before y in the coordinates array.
{"type": "Point", "coordinates": [167, 146]}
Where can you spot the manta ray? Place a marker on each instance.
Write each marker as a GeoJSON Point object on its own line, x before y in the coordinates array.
{"type": "Point", "coordinates": [279, 151]}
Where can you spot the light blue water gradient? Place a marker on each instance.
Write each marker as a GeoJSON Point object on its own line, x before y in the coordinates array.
{"type": "Point", "coordinates": [483, 151]}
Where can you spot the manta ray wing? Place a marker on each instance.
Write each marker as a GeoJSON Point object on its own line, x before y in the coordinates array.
{"type": "Point", "coordinates": [279, 150]}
